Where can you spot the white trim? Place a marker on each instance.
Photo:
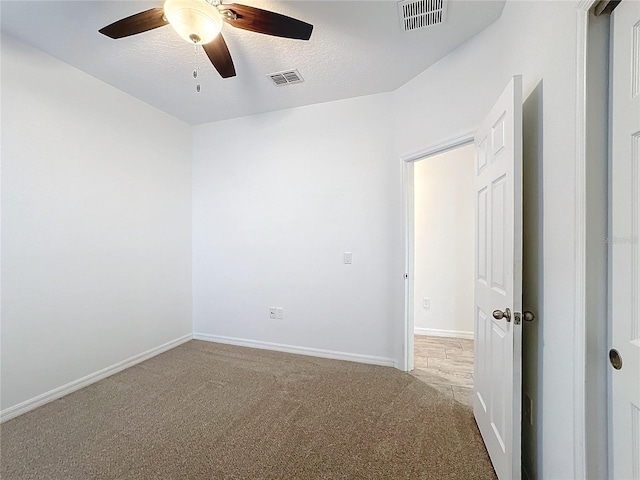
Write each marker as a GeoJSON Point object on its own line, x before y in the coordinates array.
{"type": "Point", "coordinates": [440, 147]}
{"type": "Point", "coordinates": [579, 334]}
{"type": "Point", "coordinates": [585, 5]}
{"type": "Point", "coordinates": [407, 227]}
{"type": "Point", "coordinates": [312, 352]}
{"type": "Point", "coordinates": [436, 332]}
{"type": "Point", "coordinates": [50, 396]}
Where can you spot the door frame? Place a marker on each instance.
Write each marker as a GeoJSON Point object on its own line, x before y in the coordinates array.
{"type": "Point", "coordinates": [580, 230]}
{"type": "Point", "coordinates": [408, 218]}
{"type": "Point", "coordinates": [579, 337]}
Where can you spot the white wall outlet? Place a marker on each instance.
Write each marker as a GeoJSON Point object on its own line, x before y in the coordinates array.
{"type": "Point", "coordinates": [426, 303]}
{"type": "Point", "coordinates": [272, 312]}
{"type": "Point", "coordinates": [348, 258]}
{"type": "Point", "coordinates": [279, 313]}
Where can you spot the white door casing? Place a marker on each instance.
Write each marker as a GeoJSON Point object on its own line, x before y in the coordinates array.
{"type": "Point", "coordinates": [498, 281]}
{"type": "Point", "coordinates": [623, 242]}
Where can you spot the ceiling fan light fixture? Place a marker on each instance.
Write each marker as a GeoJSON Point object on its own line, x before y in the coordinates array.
{"type": "Point", "coordinates": [196, 21]}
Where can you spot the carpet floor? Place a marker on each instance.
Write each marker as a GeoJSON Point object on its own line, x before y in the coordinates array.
{"type": "Point", "coordinates": [211, 411]}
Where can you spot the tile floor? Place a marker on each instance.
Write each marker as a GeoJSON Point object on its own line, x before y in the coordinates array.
{"type": "Point", "coordinates": [446, 364]}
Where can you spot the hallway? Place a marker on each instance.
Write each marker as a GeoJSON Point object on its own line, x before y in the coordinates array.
{"type": "Point", "coordinates": [446, 364]}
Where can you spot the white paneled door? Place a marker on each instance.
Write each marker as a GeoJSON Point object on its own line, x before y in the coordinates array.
{"type": "Point", "coordinates": [498, 281]}
{"type": "Point", "coordinates": [623, 241]}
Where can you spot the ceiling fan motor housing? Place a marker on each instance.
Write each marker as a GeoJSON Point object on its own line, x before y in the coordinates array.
{"type": "Point", "coordinates": [196, 21]}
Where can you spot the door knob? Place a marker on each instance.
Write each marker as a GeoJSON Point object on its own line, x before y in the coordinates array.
{"type": "Point", "coordinates": [528, 316]}
{"type": "Point", "coordinates": [499, 314]}
{"type": "Point", "coordinates": [615, 358]}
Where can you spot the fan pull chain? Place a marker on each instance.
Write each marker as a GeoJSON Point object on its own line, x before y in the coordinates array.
{"type": "Point", "coordinates": [196, 69]}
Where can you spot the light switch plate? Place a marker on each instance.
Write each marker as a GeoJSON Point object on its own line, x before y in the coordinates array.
{"type": "Point", "coordinates": [348, 258]}
{"type": "Point", "coordinates": [279, 313]}
{"type": "Point", "coordinates": [272, 312]}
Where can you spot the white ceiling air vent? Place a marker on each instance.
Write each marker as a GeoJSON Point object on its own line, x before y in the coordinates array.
{"type": "Point", "coordinates": [415, 14]}
{"type": "Point", "coordinates": [285, 78]}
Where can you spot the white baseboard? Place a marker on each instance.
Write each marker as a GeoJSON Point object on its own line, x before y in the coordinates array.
{"type": "Point", "coordinates": [436, 332]}
{"type": "Point", "coordinates": [313, 352]}
{"type": "Point", "coordinates": [35, 402]}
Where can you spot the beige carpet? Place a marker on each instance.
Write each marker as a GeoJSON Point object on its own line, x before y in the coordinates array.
{"type": "Point", "coordinates": [210, 411]}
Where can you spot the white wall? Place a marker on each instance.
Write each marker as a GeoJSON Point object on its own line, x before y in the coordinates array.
{"type": "Point", "coordinates": [443, 242]}
{"type": "Point", "coordinates": [537, 40]}
{"type": "Point", "coordinates": [277, 200]}
{"type": "Point", "coordinates": [96, 225]}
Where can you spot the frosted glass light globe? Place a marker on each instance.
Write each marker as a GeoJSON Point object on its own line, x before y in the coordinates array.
{"type": "Point", "coordinates": [195, 20]}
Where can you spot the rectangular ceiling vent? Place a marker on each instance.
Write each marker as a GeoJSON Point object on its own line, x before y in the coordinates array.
{"type": "Point", "coordinates": [288, 77]}
{"type": "Point", "coordinates": [416, 14]}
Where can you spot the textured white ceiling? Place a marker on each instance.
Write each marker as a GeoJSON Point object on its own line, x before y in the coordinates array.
{"type": "Point", "coordinates": [357, 48]}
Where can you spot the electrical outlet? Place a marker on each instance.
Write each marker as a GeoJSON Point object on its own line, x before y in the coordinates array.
{"type": "Point", "coordinates": [279, 313]}
{"type": "Point", "coordinates": [348, 258]}
{"type": "Point", "coordinates": [528, 409]}
{"type": "Point", "coordinates": [426, 303]}
{"type": "Point", "coordinates": [272, 312]}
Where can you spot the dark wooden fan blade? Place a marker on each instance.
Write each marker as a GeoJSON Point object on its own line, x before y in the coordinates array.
{"type": "Point", "coordinates": [138, 23]}
{"type": "Point", "coordinates": [219, 55]}
{"type": "Point", "coordinates": [263, 21]}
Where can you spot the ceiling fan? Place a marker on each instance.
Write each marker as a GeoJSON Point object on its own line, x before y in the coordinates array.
{"type": "Point", "coordinates": [200, 22]}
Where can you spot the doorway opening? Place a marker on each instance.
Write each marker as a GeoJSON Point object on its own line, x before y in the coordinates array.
{"type": "Point", "coordinates": [442, 279]}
